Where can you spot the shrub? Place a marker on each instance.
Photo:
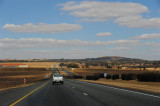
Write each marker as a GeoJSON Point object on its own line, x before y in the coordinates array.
{"type": "Point", "coordinates": [115, 76]}
{"type": "Point", "coordinates": [101, 75]}
{"type": "Point", "coordinates": [72, 65]}
{"type": "Point", "coordinates": [63, 64]}
{"type": "Point", "coordinates": [150, 76]}
{"type": "Point", "coordinates": [77, 77]}
{"type": "Point", "coordinates": [110, 67]}
{"type": "Point", "coordinates": [89, 77]}
{"type": "Point", "coordinates": [129, 76]}
{"type": "Point", "coordinates": [108, 76]}
{"type": "Point", "coordinates": [73, 77]}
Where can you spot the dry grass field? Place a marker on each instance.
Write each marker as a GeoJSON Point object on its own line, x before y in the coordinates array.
{"type": "Point", "coordinates": [35, 64]}
{"type": "Point", "coordinates": [11, 77]}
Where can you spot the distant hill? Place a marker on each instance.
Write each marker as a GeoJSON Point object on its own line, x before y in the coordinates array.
{"type": "Point", "coordinates": [114, 58]}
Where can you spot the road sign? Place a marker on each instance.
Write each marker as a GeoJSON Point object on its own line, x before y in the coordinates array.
{"type": "Point", "coordinates": [24, 81]}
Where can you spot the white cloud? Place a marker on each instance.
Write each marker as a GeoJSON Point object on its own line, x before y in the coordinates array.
{"type": "Point", "coordinates": [125, 14]}
{"type": "Point", "coordinates": [72, 53]}
{"type": "Point", "coordinates": [104, 34]}
{"type": "Point", "coordinates": [69, 53]}
{"type": "Point", "coordinates": [46, 48]}
{"type": "Point", "coordinates": [136, 21]}
{"type": "Point", "coordinates": [103, 10]}
{"type": "Point", "coordinates": [42, 28]}
{"type": "Point", "coordinates": [156, 50]}
{"type": "Point", "coordinates": [53, 48]}
{"type": "Point", "coordinates": [154, 44]}
{"type": "Point", "coordinates": [125, 42]}
{"type": "Point", "coordinates": [120, 48]}
{"type": "Point", "coordinates": [50, 43]}
{"type": "Point", "coordinates": [147, 36]}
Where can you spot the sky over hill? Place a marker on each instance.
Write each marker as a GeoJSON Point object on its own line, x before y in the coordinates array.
{"type": "Point", "coordinates": [79, 29]}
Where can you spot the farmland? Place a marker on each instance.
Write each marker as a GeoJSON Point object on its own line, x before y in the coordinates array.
{"type": "Point", "coordinates": [33, 64]}
{"type": "Point", "coordinates": [13, 77]}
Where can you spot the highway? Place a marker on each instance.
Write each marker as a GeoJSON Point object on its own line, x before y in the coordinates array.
{"type": "Point", "coordinates": [69, 73]}
{"type": "Point", "coordinates": [75, 93]}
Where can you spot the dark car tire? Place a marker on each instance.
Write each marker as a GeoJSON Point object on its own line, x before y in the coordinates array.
{"type": "Point", "coordinates": [62, 82]}
{"type": "Point", "coordinates": [52, 83]}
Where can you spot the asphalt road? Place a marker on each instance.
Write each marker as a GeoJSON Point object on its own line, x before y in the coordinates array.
{"type": "Point", "coordinates": [69, 73]}
{"type": "Point", "coordinates": [76, 93]}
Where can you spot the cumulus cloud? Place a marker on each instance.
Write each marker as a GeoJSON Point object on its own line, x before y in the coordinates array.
{"type": "Point", "coordinates": [125, 14]}
{"type": "Point", "coordinates": [120, 48]}
{"type": "Point", "coordinates": [42, 28]}
{"type": "Point", "coordinates": [50, 43]}
{"type": "Point", "coordinates": [147, 36]}
{"type": "Point", "coordinates": [104, 34]}
{"type": "Point", "coordinates": [135, 21]}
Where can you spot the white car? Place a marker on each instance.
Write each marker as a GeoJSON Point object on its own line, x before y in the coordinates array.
{"type": "Point", "coordinates": [57, 78]}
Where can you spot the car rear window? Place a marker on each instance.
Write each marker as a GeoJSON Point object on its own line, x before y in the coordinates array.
{"type": "Point", "coordinates": [58, 75]}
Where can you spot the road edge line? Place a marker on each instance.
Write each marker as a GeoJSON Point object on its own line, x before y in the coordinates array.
{"type": "Point", "coordinates": [14, 103]}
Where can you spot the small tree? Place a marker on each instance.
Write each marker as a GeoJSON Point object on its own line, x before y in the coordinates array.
{"type": "Point", "coordinates": [72, 65]}
{"type": "Point", "coordinates": [87, 65]}
{"type": "Point", "coordinates": [110, 67]}
{"type": "Point", "coordinates": [63, 64]}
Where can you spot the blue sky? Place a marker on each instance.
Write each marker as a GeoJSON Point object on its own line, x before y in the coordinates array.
{"type": "Point", "coordinates": [79, 29]}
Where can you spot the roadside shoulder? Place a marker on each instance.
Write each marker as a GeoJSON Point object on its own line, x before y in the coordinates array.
{"type": "Point", "coordinates": [127, 85]}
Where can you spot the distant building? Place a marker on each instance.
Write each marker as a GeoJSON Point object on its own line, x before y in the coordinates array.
{"type": "Point", "coordinates": [11, 66]}
{"type": "Point", "coordinates": [15, 65]}
{"type": "Point", "coordinates": [23, 66]}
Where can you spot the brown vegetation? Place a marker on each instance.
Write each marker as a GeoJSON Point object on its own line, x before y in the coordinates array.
{"type": "Point", "coordinates": [90, 71]}
{"type": "Point", "coordinates": [11, 77]}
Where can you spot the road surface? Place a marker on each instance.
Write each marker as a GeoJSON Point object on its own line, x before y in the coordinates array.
{"type": "Point", "coordinates": [69, 73]}
{"type": "Point", "coordinates": [76, 93]}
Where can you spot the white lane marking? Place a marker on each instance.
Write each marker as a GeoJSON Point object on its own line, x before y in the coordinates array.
{"type": "Point", "coordinates": [85, 94]}
{"type": "Point", "coordinates": [121, 89]}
